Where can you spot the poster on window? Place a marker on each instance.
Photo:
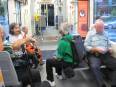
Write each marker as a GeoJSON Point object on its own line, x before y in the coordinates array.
{"type": "Point", "coordinates": [82, 18]}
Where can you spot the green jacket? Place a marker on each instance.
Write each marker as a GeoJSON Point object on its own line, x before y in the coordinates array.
{"type": "Point", "coordinates": [64, 51]}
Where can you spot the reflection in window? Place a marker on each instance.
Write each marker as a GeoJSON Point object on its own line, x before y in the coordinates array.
{"type": "Point", "coordinates": [4, 15]}
{"type": "Point", "coordinates": [106, 9]}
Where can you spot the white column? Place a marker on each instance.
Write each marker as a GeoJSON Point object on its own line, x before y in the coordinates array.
{"type": "Point", "coordinates": [65, 15]}
{"type": "Point", "coordinates": [75, 31]}
{"type": "Point", "coordinates": [91, 12]}
{"type": "Point", "coordinates": [26, 16]}
{"type": "Point", "coordinates": [12, 11]}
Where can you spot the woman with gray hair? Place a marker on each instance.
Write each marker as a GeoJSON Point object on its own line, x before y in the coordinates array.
{"type": "Point", "coordinates": [64, 57]}
{"type": "Point", "coordinates": [64, 28]}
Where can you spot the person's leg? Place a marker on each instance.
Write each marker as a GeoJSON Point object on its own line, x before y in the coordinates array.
{"type": "Point", "coordinates": [59, 65]}
{"type": "Point", "coordinates": [58, 68]}
{"type": "Point", "coordinates": [95, 67]}
{"type": "Point", "coordinates": [50, 63]}
{"type": "Point", "coordinates": [110, 62]}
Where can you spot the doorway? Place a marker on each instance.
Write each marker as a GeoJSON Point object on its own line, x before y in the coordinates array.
{"type": "Point", "coordinates": [50, 15]}
{"type": "Point", "coordinates": [48, 11]}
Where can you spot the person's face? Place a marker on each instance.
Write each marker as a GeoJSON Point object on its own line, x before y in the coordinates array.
{"type": "Point", "coordinates": [16, 30]}
{"type": "Point", "coordinates": [99, 27]}
{"type": "Point", "coordinates": [61, 32]}
{"type": "Point", "coordinates": [26, 30]}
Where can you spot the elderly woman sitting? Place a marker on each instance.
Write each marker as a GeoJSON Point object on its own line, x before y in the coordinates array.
{"type": "Point", "coordinates": [64, 53]}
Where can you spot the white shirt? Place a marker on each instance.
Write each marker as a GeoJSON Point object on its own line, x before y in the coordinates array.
{"type": "Point", "coordinates": [13, 38]}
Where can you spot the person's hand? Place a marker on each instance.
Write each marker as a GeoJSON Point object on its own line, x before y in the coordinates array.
{"type": "Point", "coordinates": [110, 50]}
{"type": "Point", "coordinates": [28, 38]}
{"type": "Point", "coordinates": [94, 49]}
{"type": "Point", "coordinates": [99, 50]}
{"type": "Point", "coordinates": [1, 34]}
{"type": "Point", "coordinates": [33, 40]}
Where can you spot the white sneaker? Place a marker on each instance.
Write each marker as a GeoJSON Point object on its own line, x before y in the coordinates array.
{"type": "Point", "coordinates": [59, 77]}
{"type": "Point", "coordinates": [52, 83]}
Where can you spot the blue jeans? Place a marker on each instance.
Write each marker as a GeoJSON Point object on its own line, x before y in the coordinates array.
{"type": "Point", "coordinates": [110, 63]}
{"type": "Point", "coordinates": [95, 64]}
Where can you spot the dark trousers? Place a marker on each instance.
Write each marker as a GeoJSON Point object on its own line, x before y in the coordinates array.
{"type": "Point", "coordinates": [105, 59]}
{"type": "Point", "coordinates": [58, 65]}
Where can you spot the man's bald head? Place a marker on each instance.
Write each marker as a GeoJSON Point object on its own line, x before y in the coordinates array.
{"type": "Point", "coordinates": [99, 26]}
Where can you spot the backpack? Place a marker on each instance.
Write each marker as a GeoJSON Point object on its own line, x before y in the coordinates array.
{"type": "Point", "coordinates": [78, 49]}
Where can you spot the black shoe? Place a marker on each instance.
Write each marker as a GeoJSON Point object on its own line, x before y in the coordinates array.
{"type": "Point", "coordinates": [113, 86]}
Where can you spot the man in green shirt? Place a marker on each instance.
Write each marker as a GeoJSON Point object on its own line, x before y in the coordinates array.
{"type": "Point", "coordinates": [64, 57]}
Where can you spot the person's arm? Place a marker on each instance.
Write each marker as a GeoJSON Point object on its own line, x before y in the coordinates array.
{"type": "Point", "coordinates": [17, 44]}
{"type": "Point", "coordinates": [88, 45]}
{"type": "Point", "coordinates": [109, 46]}
{"type": "Point", "coordinates": [60, 50]}
{"type": "Point", "coordinates": [87, 42]}
{"type": "Point", "coordinates": [1, 44]}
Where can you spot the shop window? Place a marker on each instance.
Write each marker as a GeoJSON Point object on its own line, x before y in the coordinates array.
{"type": "Point", "coordinates": [106, 9]}
{"type": "Point", "coordinates": [4, 16]}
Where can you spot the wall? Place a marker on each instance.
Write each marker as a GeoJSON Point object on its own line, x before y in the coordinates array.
{"type": "Point", "coordinates": [64, 10]}
{"type": "Point", "coordinates": [91, 6]}
{"type": "Point", "coordinates": [12, 11]}
{"type": "Point", "coordinates": [26, 16]}
{"type": "Point", "coordinates": [71, 14]}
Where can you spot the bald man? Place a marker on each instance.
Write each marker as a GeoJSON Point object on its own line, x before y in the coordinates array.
{"type": "Point", "coordinates": [99, 49]}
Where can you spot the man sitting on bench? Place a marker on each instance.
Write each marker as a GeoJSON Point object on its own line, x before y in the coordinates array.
{"type": "Point", "coordinates": [99, 48]}
{"type": "Point", "coordinates": [64, 53]}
